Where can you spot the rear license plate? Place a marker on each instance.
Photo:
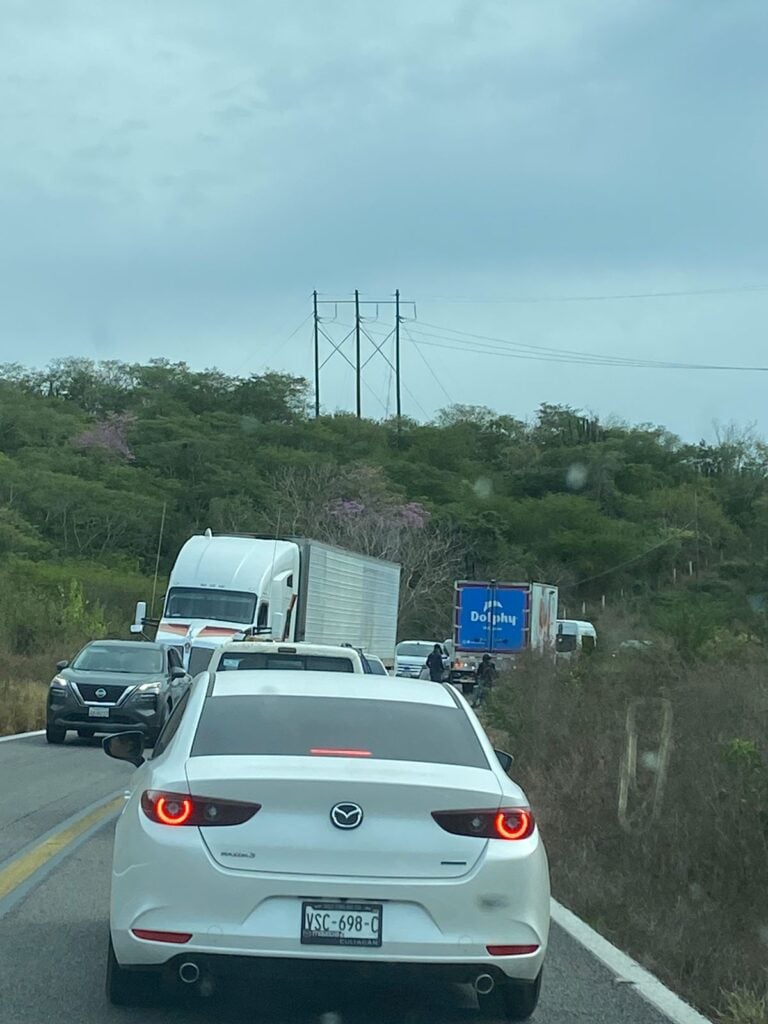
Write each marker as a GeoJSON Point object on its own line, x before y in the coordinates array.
{"type": "Point", "coordinates": [341, 924]}
{"type": "Point", "coordinates": [98, 712]}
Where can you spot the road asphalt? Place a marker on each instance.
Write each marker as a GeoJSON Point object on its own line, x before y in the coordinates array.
{"type": "Point", "coordinates": [54, 931]}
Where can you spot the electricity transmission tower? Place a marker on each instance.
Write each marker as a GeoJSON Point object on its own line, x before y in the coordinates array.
{"type": "Point", "coordinates": [365, 311]}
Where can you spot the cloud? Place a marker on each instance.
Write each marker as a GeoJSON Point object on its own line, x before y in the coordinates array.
{"type": "Point", "coordinates": [177, 177]}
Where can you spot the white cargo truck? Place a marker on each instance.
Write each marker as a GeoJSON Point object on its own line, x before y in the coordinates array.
{"type": "Point", "coordinates": [290, 589]}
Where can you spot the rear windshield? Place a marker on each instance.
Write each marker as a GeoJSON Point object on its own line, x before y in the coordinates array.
{"type": "Point", "coordinates": [290, 662]}
{"type": "Point", "coordinates": [272, 724]}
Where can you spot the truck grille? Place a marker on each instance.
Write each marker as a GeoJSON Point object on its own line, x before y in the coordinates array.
{"type": "Point", "coordinates": [92, 693]}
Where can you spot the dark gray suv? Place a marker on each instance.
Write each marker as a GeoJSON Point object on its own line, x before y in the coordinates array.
{"type": "Point", "coordinates": [112, 686]}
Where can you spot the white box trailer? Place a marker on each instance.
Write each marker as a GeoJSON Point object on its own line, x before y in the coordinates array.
{"type": "Point", "coordinates": [295, 589]}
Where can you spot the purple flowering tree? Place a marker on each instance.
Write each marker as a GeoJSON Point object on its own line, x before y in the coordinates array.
{"type": "Point", "coordinates": [356, 508]}
{"type": "Point", "coordinates": [108, 435]}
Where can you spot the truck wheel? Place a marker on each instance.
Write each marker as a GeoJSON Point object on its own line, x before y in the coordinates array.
{"type": "Point", "coordinates": [54, 734]}
{"type": "Point", "coordinates": [511, 1000]}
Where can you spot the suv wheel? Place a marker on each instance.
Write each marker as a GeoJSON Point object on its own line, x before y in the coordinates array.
{"type": "Point", "coordinates": [55, 735]}
{"type": "Point", "coordinates": [511, 1000]}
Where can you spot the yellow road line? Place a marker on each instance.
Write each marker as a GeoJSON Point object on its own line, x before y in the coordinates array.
{"type": "Point", "coordinates": [25, 866]}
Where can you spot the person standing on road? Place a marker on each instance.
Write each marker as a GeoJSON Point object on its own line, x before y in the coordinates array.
{"type": "Point", "coordinates": [485, 677]}
{"type": "Point", "coordinates": [435, 664]}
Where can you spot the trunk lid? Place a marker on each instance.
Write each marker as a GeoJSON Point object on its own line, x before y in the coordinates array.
{"type": "Point", "coordinates": [293, 832]}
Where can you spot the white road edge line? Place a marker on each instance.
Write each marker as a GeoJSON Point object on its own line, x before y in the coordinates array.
{"type": "Point", "coordinates": [644, 983]}
{"type": "Point", "coordinates": [22, 735]}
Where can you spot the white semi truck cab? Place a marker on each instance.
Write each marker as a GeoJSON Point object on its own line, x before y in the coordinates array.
{"type": "Point", "coordinates": [291, 589]}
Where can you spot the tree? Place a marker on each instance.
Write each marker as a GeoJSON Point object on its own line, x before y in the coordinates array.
{"type": "Point", "coordinates": [355, 507]}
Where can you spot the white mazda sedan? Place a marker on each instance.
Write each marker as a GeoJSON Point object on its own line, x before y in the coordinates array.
{"type": "Point", "coordinates": [303, 816]}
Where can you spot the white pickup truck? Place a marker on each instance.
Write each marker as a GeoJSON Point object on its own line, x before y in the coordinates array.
{"type": "Point", "coordinates": [251, 655]}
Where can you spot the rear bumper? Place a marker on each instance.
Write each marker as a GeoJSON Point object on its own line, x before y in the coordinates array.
{"type": "Point", "coordinates": [273, 968]}
{"type": "Point", "coordinates": [167, 881]}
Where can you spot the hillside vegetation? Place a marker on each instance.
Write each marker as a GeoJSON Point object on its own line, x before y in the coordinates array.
{"type": "Point", "coordinates": [92, 454]}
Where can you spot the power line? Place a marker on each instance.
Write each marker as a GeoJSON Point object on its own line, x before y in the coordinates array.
{"type": "Point", "coordinates": [460, 345]}
{"type": "Point", "coordinates": [429, 367]}
{"type": "Point", "coordinates": [636, 558]}
{"type": "Point", "coordinates": [536, 299]}
{"type": "Point", "coordinates": [415, 401]}
{"type": "Point", "coordinates": [544, 353]}
{"type": "Point", "coordinates": [550, 354]}
{"type": "Point", "coordinates": [280, 345]}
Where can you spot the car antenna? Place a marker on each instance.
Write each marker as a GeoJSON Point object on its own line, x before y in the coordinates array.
{"type": "Point", "coordinates": [157, 559]}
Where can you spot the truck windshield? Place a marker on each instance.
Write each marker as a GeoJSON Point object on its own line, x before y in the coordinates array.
{"type": "Point", "coordinates": [565, 642]}
{"type": "Point", "coordinates": [130, 658]}
{"type": "Point", "coordinates": [414, 649]}
{"type": "Point", "coordinates": [215, 605]}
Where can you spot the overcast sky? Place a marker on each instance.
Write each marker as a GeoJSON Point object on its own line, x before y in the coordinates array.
{"type": "Point", "coordinates": [176, 177]}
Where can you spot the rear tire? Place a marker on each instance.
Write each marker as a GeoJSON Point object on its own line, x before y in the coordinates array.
{"type": "Point", "coordinates": [124, 988]}
{"type": "Point", "coordinates": [86, 734]}
{"type": "Point", "coordinates": [55, 735]}
{"type": "Point", "coordinates": [511, 1000]}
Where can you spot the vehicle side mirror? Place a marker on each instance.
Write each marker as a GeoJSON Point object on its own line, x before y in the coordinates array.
{"type": "Point", "coordinates": [62, 664]}
{"type": "Point", "coordinates": [177, 672]}
{"type": "Point", "coordinates": [126, 746]}
{"type": "Point", "coordinates": [505, 760]}
{"type": "Point", "coordinates": [137, 626]}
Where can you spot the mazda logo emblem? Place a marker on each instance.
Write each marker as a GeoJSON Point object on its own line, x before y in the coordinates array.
{"type": "Point", "coordinates": [347, 816]}
{"type": "Point", "coordinates": [101, 693]}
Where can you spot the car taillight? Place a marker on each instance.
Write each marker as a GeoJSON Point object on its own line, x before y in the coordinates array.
{"type": "Point", "coordinates": [506, 823]}
{"type": "Point", "coordinates": [338, 752]}
{"type": "Point", "coordinates": [184, 809]}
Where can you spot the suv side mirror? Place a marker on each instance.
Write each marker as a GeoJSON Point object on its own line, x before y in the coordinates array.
{"type": "Point", "coordinates": [177, 672]}
{"type": "Point", "coordinates": [505, 760]}
{"type": "Point", "coordinates": [62, 664]}
{"type": "Point", "coordinates": [126, 746]}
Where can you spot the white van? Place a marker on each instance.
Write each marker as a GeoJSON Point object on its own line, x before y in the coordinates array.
{"type": "Point", "coordinates": [573, 638]}
{"type": "Point", "coordinates": [411, 655]}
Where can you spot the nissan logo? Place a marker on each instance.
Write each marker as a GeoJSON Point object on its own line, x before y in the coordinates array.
{"type": "Point", "coordinates": [347, 816]}
{"type": "Point", "coordinates": [101, 693]}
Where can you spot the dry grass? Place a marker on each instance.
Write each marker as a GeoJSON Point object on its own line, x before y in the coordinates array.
{"type": "Point", "coordinates": [682, 883]}
{"type": "Point", "coordinates": [745, 1006]}
{"type": "Point", "coordinates": [24, 681]}
{"type": "Point", "coordinates": [22, 705]}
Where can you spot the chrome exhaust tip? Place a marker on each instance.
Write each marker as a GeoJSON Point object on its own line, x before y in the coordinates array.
{"type": "Point", "coordinates": [189, 972]}
{"type": "Point", "coordinates": [483, 984]}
